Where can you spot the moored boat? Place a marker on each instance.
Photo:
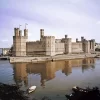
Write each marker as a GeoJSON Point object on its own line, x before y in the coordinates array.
{"type": "Point", "coordinates": [31, 89]}
{"type": "Point", "coordinates": [77, 89]}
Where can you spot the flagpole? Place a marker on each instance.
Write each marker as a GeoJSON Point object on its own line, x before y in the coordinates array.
{"type": "Point", "coordinates": [25, 25]}
{"type": "Point", "coordinates": [19, 26]}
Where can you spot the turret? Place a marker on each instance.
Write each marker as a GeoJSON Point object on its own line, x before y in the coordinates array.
{"type": "Point", "coordinates": [82, 38]}
{"type": "Point", "coordinates": [16, 31]}
{"type": "Point", "coordinates": [76, 39]}
{"type": "Point", "coordinates": [26, 32]}
{"type": "Point", "coordinates": [20, 32]}
{"type": "Point", "coordinates": [41, 33]}
{"type": "Point", "coordinates": [66, 36]}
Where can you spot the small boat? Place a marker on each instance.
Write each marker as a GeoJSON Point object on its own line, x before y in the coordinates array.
{"type": "Point", "coordinates": [77, 89]}
{"type": "Point", "coordinates": [31, 89]}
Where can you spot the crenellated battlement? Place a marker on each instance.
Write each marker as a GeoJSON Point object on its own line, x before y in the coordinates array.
{"type": "Point", "coordinates": [33, 42]}
{"type": "Point", "coordinates": [48, 45]}
{"type": "Point", "coordinates": [19, 42]}
{"type": "Point", "coordinates": [58, 40]}
{"type": "Point", "coordinates": [49, 37]}
{"type": "Point", "coordinates": [18, 32]}
{"type": "Point", "coordinates": [92, 40]}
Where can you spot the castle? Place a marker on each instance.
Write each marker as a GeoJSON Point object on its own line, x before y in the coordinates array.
{"type": "Point", "coordinates": [48, 45]}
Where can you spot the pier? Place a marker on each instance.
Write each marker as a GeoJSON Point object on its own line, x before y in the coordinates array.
{"type": "Point", "coordinates": [50, 58]}
{"type": "Point", "coordinates": [4, 58]}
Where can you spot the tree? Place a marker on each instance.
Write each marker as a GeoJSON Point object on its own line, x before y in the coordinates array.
{"type": "Point", "coordinates": [11, 92]}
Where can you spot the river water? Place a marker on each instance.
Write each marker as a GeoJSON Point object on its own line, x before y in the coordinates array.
{"type": "Point", "coordinates": [53, 79]}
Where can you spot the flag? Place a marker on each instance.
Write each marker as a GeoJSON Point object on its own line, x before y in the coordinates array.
{"type": "Point", "coordinates": [25, 25]}
{"type": "Point", "coordinates": [19, 26]}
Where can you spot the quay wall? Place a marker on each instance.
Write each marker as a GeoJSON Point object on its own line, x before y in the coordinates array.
{"type": "Point", "coordinates": [50, 58]}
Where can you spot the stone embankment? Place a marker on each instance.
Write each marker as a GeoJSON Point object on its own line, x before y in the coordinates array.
{"type": "Point", "coordinates": [50, 58]}
{"type": "Point", "coordinates": [4, 57]}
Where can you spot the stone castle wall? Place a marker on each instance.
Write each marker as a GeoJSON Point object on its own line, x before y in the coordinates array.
{"type": "Point", "coordinates": [48, 45]}
{"type": "Point", "coordinates": [76, 47]}
{"type": "Point", "coordinates": [59, 48]}
{"type": "Point", "coordinates": [33, 48]}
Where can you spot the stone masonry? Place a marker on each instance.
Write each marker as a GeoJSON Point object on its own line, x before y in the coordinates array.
{"type": "Point", "coordinates": [48, 45]}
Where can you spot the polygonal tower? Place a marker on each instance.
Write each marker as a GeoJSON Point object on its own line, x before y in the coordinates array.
{"type": "Point", "coordinates": [41, 33]}
{"type": "Point", "coordinates": [49, 45]}
{"type": "Point", "coordinates": [92, 45]}
{"type": "Point", "coordinates": [19, 42]}
{"type": "Point", "coordinates": [68, 45]}
{"type": "Point", "coordinates": [86, 46]}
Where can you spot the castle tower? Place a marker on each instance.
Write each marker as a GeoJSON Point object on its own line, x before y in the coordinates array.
{"type": "Point", "coordinates": [41, 33]}
{"type": "Point", "coordinates": [49, 45]}
{"type": "Point", "coordinates": [19, 42]}
{"type": "Point", "coordinates": [68, 45]}
{"type": "Point", "coordinates": [86, 46]}
{"type": "Point", "coordinates": [93, 45]}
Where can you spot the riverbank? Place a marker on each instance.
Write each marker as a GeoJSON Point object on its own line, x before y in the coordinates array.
{"type": "Point", "coordinates": [50, 58]}
{"type": "Point", "coordinates": [13, 92]}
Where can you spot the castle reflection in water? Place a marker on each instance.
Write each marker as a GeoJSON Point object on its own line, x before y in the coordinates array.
{"type": "Point", "coordinates": [47, 70]}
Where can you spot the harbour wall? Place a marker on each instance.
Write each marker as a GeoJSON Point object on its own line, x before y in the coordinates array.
{"type": "Point", "coordinates": [50, 58]}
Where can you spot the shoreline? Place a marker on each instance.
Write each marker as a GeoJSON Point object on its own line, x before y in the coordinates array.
{"type": "Point", "coordinates": [50, 58]}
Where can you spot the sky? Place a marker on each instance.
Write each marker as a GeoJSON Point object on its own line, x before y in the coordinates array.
{"type": "Point", "coordinates": [75, 18]}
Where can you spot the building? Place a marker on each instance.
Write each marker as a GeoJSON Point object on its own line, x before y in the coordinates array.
{"type": "Point", "coordinates": [4, 51]}
{"type": "Point", "coordinates": [49, 45]}
{"type": "Point", "coordinates": [97, 46]}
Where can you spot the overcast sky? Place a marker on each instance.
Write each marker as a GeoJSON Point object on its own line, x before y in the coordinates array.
{"type": "Point", "coordinates": [75, 18]}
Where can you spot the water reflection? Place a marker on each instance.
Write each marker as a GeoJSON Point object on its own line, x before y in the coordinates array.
{"type": "Point", "coordinates": [87, 64]}
{"type": "Point", "coordinates": [20, 74]}
{"type": "Point", "coordinates": [47, 70]}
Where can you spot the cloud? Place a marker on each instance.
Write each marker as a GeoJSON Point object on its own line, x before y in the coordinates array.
{"type": "Point", "coordinates": [58, 17]}
{"type": "Point", "coordinates": [98, 22]}
{"type": "Point", "coordinates": [4, 40]}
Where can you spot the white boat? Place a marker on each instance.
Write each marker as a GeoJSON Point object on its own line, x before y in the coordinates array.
{"type": "Point", "coordinates": [75, 87]}
{"type": "Point", "coordinates": [31, 89]}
